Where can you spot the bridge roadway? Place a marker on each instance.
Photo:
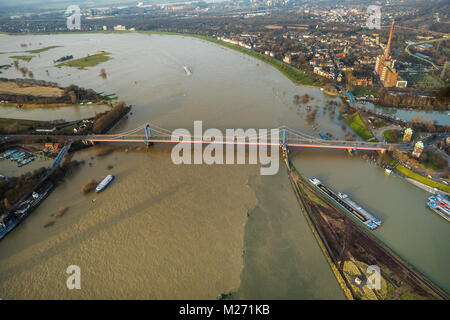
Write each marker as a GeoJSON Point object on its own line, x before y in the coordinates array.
{"type": "Point", "coordinates": [290, 142]}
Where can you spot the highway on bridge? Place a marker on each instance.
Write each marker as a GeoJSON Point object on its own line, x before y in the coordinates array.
{"type": "Point", "coordinates": [288, 137]}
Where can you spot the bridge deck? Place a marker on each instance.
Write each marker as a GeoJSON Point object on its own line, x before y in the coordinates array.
{"type": "Point", "coordinates": [306, 143]}
{"type": "Point", "coordinates": [290, 142]}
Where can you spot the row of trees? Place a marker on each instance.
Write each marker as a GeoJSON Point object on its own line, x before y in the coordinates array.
{"type": "Point", "coordinates": [13, 189]}
{"type": "Point", "coordinates": [409, 99]}
{"type": "Point", "coordinates": [106, 120]}
{"type": "Point", "coordinates": [71, 94]}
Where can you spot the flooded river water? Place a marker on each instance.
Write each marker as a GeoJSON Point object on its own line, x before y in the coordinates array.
{"type": "Point", "coordinates": [197, 231]}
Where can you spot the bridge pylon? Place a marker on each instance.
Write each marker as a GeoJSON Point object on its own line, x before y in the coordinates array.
{"type": "Point", "coordinates": [148, 134]}
{"type": "Point", "coordinates": [284, 149]}
{"type": "Point", "coordinates": [283, 144]}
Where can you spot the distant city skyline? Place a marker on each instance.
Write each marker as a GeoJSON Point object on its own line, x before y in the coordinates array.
{"type": "Point", "coordinates": [55, 4]}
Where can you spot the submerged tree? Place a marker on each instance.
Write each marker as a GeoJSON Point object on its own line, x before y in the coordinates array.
{"type": "Point", "coordinates": [305, 98]}
{"type": "Point", "coordinates": [24, 71]}
{"type": "Point", "coordinates": [311, 116]}
{"type": "Point", "coordinates": [102, 73]}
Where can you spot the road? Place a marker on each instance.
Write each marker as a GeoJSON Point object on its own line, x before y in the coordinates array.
{"type": "Point", "coordinates": [290, 142]}
{"type": "Point", "coordinates": [445, 38]}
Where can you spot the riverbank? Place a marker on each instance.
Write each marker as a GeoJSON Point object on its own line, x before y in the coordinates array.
{"type": "Point", "coordinates": [158, 106]}
{"type": "Point", "coordinates": [25, 193]}
{"type": "Point", "coordinates": [424, 180]}
{"type": "Point", "coordinates": [345, 241]}
{"type": "Point", "coordinates": [88, 61]}
{"type": "Point", "coordinates": [42, 49]}
{"type": "Point", "coordinates": [46, 105]}
{"type": "Point", "coordinates": [37, 92]}
{"type": "Point", "coordinates": [358, 126]}
{"type": "Point", "coordinates": [19, 125]}
{"type": "Point", "coordinates": [24, 58]}
{"type": "Point", "coordinates": [295, 75]}
{"type": "Point", "coordinates": [315, 231]}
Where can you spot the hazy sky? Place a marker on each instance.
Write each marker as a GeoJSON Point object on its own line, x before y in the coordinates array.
{"type": "Point", "coordinates": [64, 3]}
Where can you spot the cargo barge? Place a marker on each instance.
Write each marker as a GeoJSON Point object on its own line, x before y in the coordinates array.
{"type": "Point", "coordinates": [348, 205]}
{"type": "Point", "coordinates": [358, 208]}
{"type": "Point", "coordinates": [102, 185]}
{"type": "Point", "coordinates": [11, 220]}
{"type": "Point", "coordinates": [8, 154]}
{"type": "Point", "coordinates": [440, 205]}
{"type": "Point", "coordinates": [187, 70]}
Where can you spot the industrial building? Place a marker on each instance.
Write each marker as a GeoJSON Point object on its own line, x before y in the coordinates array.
{"type": "Point", "coordinates": [384, 66]}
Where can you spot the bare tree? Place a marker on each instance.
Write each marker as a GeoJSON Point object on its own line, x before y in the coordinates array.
{"type": "Point", "coordinates": [103, 73]}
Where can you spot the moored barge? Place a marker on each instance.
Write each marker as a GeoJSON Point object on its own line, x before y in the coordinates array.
{"type": "Point", "coordinates": [348, 205]}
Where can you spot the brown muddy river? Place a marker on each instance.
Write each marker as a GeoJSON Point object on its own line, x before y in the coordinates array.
{"type": "Point", "coordinates": [197, 231]}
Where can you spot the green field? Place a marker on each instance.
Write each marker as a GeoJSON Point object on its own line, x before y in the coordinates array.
{"type": "Point", "coordinates": [358, 126]}
{"type": "Point", "coordinates": [408, 295]}
{"type": "Point", "coordinates": [428, 81]}
{"type": "Point", "coordinates": [387, 134]}
{"type": "Point", "coordinates": [42, 49]}
{"type": "Point", "coordinates": [18, 125]}
{"type": "Point", "coordinates": [24, 58]}
{"type": "Point", "coordinates": [88, 61]}
{"type": "Point", "coordinates": [410, 174]}
{"type": "Point", "coordinates": [69, 129]}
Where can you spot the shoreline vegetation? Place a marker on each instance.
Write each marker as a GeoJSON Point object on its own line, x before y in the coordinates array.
{"type": "Point", "coordinates": [314, 201]}
{"type": "Point", "coordinates": [86, 62]}
{"type": "Point", "coordinates": [295, 75]}
{"type": "Point", "coordinates": [101, 123]}
{"type": "Point", "coordinates": [418, 177]}
{"type": "Point", "coordinates": [298, 77]}
{"type": "Point", "coordinates": [19, 125]}
{"type": "Point", "coordinates": [24, 58]}
{"type": "Point", "coordinates": [48, 105]}
{"type": "Point", "coordinates": [42, 49]}
{"type": "Point", "coordinates": [321, 244]}
{"type": "Point", "coordinates": [15, 188]}
{"type": "Point", "coordinates": [105, 121]}
{"type": "Point", "coordinates": [35, 92]}
{"type": "Point", "coordinates": [358, 126]}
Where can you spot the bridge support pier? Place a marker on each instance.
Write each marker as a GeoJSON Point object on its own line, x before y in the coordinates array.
{"type": "Point", "coordinates": [285, 150]}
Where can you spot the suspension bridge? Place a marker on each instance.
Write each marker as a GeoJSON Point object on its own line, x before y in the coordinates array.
{"type": "Point", "coordinates": [286, 137]}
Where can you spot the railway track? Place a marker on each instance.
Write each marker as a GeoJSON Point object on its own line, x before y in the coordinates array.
{"type": "Point", "coordinates": [413, 273]}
